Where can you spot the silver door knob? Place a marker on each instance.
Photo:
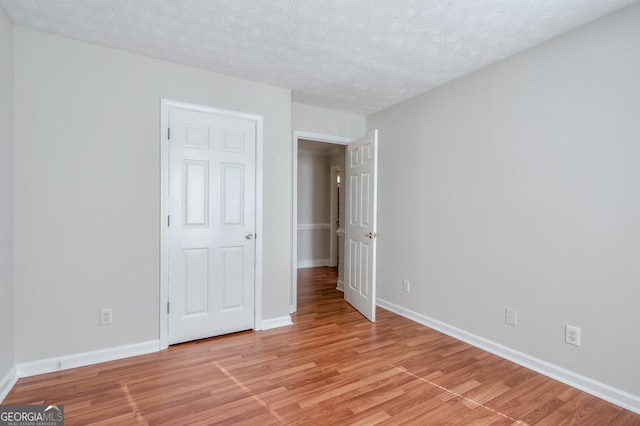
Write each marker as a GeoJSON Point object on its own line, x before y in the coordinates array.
{"type": "Point", "coordinates": [248, 236]}
{"type": "Point", "coordinates": [371, 235]}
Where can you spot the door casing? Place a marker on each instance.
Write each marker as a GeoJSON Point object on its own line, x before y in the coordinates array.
{"type": "Point", "coordinates": [334, 204]}
{"type": "Point", "coordinates": [165, 106]}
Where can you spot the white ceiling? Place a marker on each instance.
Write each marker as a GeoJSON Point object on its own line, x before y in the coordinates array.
{"type": "Point", "coordinates": [351, 55]}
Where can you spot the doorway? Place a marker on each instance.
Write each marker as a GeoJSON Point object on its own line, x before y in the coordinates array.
{"type": "Point", "coordinates": [320, 153]}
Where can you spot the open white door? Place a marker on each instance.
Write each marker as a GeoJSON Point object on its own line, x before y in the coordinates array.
{"type": "Point", "coordinates": [361, 215]}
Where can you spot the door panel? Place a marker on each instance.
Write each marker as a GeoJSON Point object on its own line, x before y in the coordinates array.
{"type": "Point", "coordinates": [232, 190]}
{"type": "Point", "coordinates": [196, 277]}
{"type": "Point", "coordinates": [212, 207]}
{"type": "Point", "coordinates": [196, 193]}
{"type": "Point", "coordinates": [360, 261]}
{"type": "Point", "coordinates": [233, 264]}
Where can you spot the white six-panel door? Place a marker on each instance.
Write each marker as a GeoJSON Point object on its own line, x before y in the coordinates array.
{"type": "Point", "coordinates": [360, 230]}
{"type": "Point", "coordinates": [212, 164]}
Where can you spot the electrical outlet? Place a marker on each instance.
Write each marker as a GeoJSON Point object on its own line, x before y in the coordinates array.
{"type": "Point", "coordinates": [511, 316]}
{"type": "Point", "coordinates": [572, 335]}
{"type": "Point", "coordinates": [405, 286]}
{"type": "Point", "coordinates": [106, 316]}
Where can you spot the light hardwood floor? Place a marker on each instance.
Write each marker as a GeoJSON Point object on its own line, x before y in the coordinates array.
{"type": "Point", "coordinates": [331, 367]}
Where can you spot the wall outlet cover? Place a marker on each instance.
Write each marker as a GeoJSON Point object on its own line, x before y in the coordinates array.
{"type": "Point", "coordinates": [511, 316]}
{"type": "Point", "coordinates": [572, 335]}
{"type": "Point", "coordinates": [106, 316]}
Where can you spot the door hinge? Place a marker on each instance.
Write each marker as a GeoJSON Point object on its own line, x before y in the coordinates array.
{"type": "Point", "coordinates": [167, 307]}
{"type": "Point", "coordinates": [169, 133]}
{"type": "Point", "coordinates": [168, 220]}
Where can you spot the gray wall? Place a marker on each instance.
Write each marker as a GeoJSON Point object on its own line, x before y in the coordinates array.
{"type": "Point", "coordinates": [87, 188]}
{"type": "Point", "coordinates": [7, 339]}
{"type": "Point", "coordinates": [313, 209]}
{"type": "Point", "coordinates": [519, 185]}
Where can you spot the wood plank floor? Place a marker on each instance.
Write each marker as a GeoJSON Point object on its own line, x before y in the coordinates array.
{"type": "Point", "coordinates": [331, 367]}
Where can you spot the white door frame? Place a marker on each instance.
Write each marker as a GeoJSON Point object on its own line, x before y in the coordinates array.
{"type": "Point", "coordinates": [297, 135]}
{"type": "Point", "coordinates": [333, 218]}
{"type": "Point", "coordinates": [165, 105]}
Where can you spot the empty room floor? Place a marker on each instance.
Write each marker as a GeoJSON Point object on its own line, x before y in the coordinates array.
{"type": "Point", "coordinates": [331, 367]}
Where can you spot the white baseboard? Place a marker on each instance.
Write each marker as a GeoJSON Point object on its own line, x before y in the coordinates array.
{"type": "Point", "coordinates": [340, 286]}
{"type": "Point", "coordinates": [601, 390]}
{"type": "Point", "coordinates": [270, 323]}
{"type": "Point", "coordinates": [312, 263]}
{"type": "Point", "coordinates": [65, 362]}
{"type": "Point", "coordinates": [7, 383]}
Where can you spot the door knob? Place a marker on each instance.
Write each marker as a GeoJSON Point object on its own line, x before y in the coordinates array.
{"type": "Point", "coordinates": [248, 236]}
{"type": "Point", "coordinates": [371, 235]}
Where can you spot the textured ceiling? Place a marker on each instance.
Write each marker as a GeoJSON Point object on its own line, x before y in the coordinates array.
{"type": "Point", "coordinates": [351, 55]}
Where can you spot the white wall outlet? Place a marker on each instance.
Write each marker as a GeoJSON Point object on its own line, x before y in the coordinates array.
{"type": "Point", "coordinates": [106, 316]}
{"type": "Point", "coordinates": [511, 316]}
{"type": "Point", "coordinates": [405, 286]}
{"type": "Point", "coordinates": [572, 335]}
